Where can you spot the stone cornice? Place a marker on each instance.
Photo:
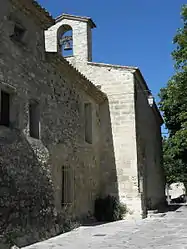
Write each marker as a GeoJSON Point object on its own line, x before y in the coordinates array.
{"type": "Point", "coordinates": [87, 86]}
{"type": "Point", "coordinates": [129, 68]}
{"type": "Point", "coordinates": [76, 18]}
{"type": "Point", "coordinates": [39, 14]}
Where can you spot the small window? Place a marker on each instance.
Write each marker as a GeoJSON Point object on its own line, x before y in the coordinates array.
{"type": "Point", "coordinates": [19, 33]}
{"type": "Point", "coordinates": [5, 109]}
{"type": "Point", "coordinates": [67, 191]}
{"type": "Point", "coordinates": [88, 122]}
{"type": "Point", "coordinates": [34, 120]}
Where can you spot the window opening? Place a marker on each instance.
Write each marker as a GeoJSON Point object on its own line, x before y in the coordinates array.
{"type": "Point", "coordinates": [66, 197]}
{"type": "Point", "coordinates": [66, 42]}
{"type": "Point", "coordinates": [34, 120]}
{"type": "Point", "coordinates": [5, 109]}
{"type": "Point", "coordinates": [19, 32]}
{"type": "Point", "coordinates": [88, 122]}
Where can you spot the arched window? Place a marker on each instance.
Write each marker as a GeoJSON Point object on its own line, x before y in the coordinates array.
{"type": "Point", "coordinates": [65, 40]}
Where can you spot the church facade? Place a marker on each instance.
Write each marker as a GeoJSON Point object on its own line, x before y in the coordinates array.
{"type": "Point", "coordinates": [135, 121]}
{"type": "Point", "coordinates": [71, 130]}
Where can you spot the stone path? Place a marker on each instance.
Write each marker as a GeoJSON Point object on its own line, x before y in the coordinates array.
{"type": "Point", "coordinates": [167, 232]}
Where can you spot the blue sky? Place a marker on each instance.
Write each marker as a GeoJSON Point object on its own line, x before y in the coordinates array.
{"type": "Point", "coordinates": [134, 33]}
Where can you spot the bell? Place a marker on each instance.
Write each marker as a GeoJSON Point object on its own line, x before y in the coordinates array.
{"type": "Point", "coordinates": [67, 46]}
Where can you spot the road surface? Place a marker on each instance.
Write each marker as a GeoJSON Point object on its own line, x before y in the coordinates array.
{"type": "Point", "coordinates": [165, 231]}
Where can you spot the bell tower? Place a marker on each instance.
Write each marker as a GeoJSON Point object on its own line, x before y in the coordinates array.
{"type": "Point", "coordinates": [80, 40]}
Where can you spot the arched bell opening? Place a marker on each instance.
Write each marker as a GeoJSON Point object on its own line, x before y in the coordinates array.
{"type": "Point", "coordinates": [65, 40]}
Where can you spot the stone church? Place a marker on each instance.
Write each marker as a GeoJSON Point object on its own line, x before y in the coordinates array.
{"type": "Point", "coordinates": [71, 129]}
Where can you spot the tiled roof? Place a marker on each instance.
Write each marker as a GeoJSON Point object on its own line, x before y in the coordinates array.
{"type": "Point", "coordinates": [33, 8]}
{"type": "Point", "coordinates": [41, 9]}
{"type": "Point", "coordinates": [85, 84]}
{"type": "Point", "coordinates": [78, 18]}
{"type": "Point", "coordinates": [101, 64]}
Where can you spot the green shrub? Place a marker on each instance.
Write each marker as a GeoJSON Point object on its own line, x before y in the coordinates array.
{"type": "Point", "coordinates": [109, 209]}
{"type": "Point", "coordinates": [66, 221]}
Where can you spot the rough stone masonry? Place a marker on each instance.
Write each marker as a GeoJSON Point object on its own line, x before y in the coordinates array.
{"type": "Point", "coordinates": [135, 126]}
{"type": "Point", "coordinates": [64, 141]}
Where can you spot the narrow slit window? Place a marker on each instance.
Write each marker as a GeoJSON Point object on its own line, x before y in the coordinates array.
{"type": "Point", "coordinates": [66, 196]}
{"type": "Point", "coordinates": [5, 109]}
{"type": "Point", "coordinates": [88, 122]}
{"type": "Point", "coordinates": [34, 120]}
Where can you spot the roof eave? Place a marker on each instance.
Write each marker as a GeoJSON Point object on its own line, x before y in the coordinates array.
{"type": "Point", "coordinates": [88, 87]}
{"type": "Point", "coordinates": [32, 7]}
{"type": "Point", "coordinates": [77, 18]}
{"type": "Point", "coordinates": [155, 107]}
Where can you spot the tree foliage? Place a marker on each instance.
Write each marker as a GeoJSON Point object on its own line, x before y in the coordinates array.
{"type": "Point", "coordinates": [173, 104]}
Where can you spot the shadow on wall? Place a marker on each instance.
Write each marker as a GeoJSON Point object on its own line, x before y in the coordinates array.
{"type": "Point", "coordinates": [26, 191]}
{"type": "Point", "coordinates": [26, 188]}
{"type": "Point", "coordinates": [109, 182]}
{"type": "Point", "coordinates": [149, 152]}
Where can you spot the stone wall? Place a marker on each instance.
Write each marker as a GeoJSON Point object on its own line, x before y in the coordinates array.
{"type": "Point", "coordinates": [30, 190]}
{"type": "Point", "coordinates": [127, 123]}
{"type": "Point", "coordinates": [149, 142]}
{"type": "Point", "coordinates": [118, 84]}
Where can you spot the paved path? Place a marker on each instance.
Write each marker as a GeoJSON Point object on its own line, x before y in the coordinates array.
{"type": "Point", "coordinates": [168, 232]}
